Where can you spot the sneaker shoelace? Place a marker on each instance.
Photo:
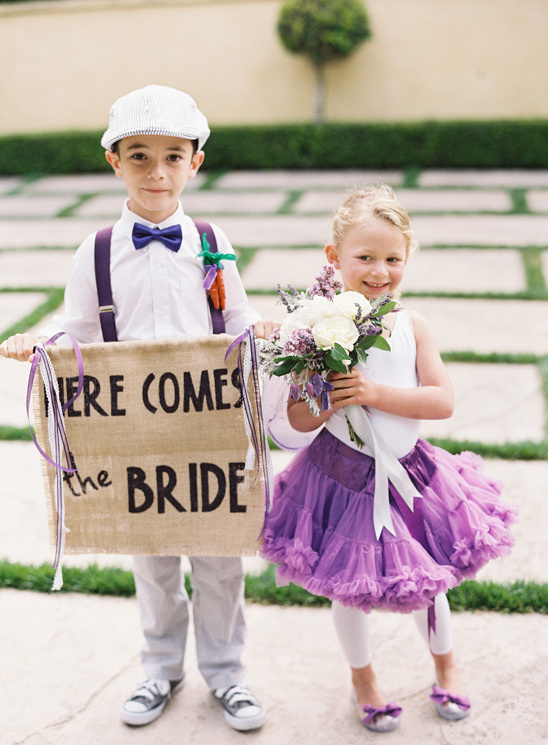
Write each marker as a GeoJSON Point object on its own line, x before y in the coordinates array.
{"type": "Point", "coordinates": [149, 690]}
{"type": "Point", "coordinates": [237, 696]}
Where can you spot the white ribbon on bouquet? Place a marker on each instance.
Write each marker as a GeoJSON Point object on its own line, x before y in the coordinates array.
{"type": "Point", "coordinates": [387, 468]}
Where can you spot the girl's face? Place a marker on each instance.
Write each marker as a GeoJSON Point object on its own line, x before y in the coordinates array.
{"type": "Point", "coordinates": [371, 258]}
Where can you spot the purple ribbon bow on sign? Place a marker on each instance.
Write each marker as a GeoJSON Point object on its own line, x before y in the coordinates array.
{"type": "Point", "coordinates": [171, 237]}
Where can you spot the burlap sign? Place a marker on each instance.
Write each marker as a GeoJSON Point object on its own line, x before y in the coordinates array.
{"type": "Point", "coordinates": [159, 441]}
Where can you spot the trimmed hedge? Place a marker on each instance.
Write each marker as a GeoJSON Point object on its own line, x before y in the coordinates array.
{"type": "Point", "coordinates": [485, 144]}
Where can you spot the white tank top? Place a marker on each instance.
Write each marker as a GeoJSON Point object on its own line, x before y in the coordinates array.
{"type": "Point", "coordinates": [397, 369]}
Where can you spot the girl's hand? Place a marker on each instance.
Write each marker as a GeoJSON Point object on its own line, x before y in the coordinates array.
{"type": "Point", "coordinates": [352, 388]}
{"type": "Point", "coordinates": [265, 329]}
{"type": "Point", "coordinates": [19, 347]}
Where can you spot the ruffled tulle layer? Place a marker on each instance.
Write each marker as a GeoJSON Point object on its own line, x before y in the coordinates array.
{"type": "Point", "coordinates": [320, 529]}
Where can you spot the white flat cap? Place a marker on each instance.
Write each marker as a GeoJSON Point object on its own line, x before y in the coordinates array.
{"type": "Point", "coordinates": [155, 110]}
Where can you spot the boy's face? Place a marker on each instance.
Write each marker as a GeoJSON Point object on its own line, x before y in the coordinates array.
{"type": "Point", "coordinates": [155, 170]}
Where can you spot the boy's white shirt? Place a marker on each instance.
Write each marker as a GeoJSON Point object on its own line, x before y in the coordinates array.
{"type": "Point", "coordinates": [157, 293]}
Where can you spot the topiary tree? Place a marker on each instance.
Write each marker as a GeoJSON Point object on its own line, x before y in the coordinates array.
{"type": "Point", "coordinates": [323, 30]}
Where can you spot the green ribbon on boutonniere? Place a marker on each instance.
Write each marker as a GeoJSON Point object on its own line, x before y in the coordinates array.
{"type": "Point", "coordinates": [210, 258]}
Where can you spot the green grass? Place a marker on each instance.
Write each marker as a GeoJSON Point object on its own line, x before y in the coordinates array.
{"type": "Point", "coordinates": [519, 201]}
{"type": "Point", "coordinates": [91, 580]}
{"type": "Point", "coordinates": [534, 273]}
{"type": "Point", "coordinates": [50, 304]}
{"type": "Point", "coordinates": [14, 433]}
{"type": "Point", "coordinates": [292, 198]}
{"type": "Point", "coordinates": [525, 450]}
{"type": "Point", "coordinates": [517, 597]}
{"type": "Point", "coordinates": [72, 208]}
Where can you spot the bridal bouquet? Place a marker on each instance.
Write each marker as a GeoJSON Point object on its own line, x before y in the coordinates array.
{"type": "Point", "coordinates": [325, 330]}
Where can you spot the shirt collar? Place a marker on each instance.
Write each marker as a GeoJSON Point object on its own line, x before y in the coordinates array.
{"type": "Point", "coordinates": [129, 218]}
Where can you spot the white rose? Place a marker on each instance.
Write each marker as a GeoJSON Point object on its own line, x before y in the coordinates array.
{"type": "Point", "coordinates": [335, 330]}
{"type": "Point", "coordinates": [317, 308]}
{"type": "Point", "coordinates": [349, 302]}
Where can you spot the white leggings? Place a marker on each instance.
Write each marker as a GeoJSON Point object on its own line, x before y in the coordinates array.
{"type": "Point", "coordinates": [352, 626]}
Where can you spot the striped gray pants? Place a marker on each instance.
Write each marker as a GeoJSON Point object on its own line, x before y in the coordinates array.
{"type": "Point", "coordinates": [217, 613]}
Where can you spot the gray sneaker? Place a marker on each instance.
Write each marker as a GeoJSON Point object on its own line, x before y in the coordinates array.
{"type": "Point", "coordinates": [149, 701]}
{"type": "Point", "coordinates": [242, 710]}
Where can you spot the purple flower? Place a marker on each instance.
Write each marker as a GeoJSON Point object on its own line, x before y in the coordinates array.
{"type": "Point", "coordinates": [325, 401]}
{"type": "Point", "coordinates": [370, 328]}
{"type": "Point", "coordinates": [325, 285]}
{"type": "Point", "coordinates": [299, 343]}
{"type": "Point", "coordinates": [384, 300]}
{"type": "Point", "coordinates": [294, 391]}
{"type": "Point", "coordinates": [288, 298]}
{"type": "Point", "coordinates": [317, 383]}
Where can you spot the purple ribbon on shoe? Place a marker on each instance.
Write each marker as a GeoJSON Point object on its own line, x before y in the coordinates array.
{"type": "Point", "coordinates": [440, 696]}
{"type": "Point", "coordinates": [390, 710]}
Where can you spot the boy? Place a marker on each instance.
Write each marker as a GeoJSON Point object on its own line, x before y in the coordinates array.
{"type": "Point", "coordinates": [154, 143]}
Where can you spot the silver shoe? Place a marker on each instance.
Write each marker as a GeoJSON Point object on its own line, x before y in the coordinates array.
{"type": "Point", "coordinates": [449, 706]}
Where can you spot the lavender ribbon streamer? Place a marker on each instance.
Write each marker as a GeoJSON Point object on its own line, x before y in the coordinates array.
{"type": "Point", "coordinates": [255, 432]}
{"type": "Point", "coordinates": [52, 391]}
{"type": "Point", "coordinates": [57, 438]}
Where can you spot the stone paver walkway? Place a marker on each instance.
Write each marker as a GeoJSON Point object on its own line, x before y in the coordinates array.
{"type": "Point", "coordinates": [480, 278]}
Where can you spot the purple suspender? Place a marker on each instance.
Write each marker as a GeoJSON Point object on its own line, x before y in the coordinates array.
{"type": "Point", "coordinates": [104, 288]}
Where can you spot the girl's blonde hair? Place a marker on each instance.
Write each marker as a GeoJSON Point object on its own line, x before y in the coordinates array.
{"type": "Point", "coordinates": [377, 201]}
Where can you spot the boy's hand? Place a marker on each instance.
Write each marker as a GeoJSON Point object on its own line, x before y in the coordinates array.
{"type": "Point", "coordinates": [19, 347]}
{"type": "Point", "coordinates": [265, 329]}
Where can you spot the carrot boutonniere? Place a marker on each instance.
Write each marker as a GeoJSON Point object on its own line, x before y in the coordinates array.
{"type": "Point", "coordinates": [214, 282]}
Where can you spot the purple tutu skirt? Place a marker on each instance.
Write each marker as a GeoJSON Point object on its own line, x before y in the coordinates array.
{"type": "Point", "coordinates": [320, 529]}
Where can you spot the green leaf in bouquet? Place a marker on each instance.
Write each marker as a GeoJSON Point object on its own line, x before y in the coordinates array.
{"type": "Point", "coordinates": [334, 362]}
{"type": "Point", "coordinates": [381, 343]}
{"type": "Point", "coordinates": [361, 355]}
{"type": "Point", "coordinates": [367, 342]}
{"type": "Point", "coordinates": [338, 352]}
{"type": "Point", "coordinates": [286, 365]}
{"type": "Point", "coordinates": [388, 308]}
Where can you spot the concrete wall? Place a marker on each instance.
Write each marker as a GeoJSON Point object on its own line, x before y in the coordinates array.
{"type": "Point", "coordinates": [63, 63]}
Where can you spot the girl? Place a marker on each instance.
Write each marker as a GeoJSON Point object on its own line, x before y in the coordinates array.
{"type": "Point", "coordinates": [320, 530]}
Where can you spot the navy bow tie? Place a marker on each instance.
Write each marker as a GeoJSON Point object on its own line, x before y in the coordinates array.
{"type": "Point", "coordinates": [171, 237]}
